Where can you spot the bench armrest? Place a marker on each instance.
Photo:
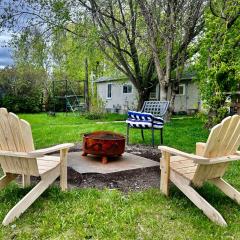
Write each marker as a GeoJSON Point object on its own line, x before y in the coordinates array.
{"type": "Point", "coordinates": [42, 152]}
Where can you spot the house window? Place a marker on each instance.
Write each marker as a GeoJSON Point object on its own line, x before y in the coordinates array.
{"type": "Point", "coordinates": [181, 89]}
{"type": "Point", "coordinates": [153, 96]}
{"type": "Point", "coordinates": [109, 91]}
{"type": "Point", "coordinates": [127, 88]}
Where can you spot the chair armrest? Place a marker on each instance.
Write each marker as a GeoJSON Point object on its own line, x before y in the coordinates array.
{"type": "Point", "coordinates": [16, 154]}
{"type": "Point", "coordinates": [42, 152]}
{"type": "Point", "coordinates": [174, 151]}
{"type": "Point", "coordinates": [224, 159]}
{"type": "Point", "coordinates": [238, 153]}
{"type": "Point", "coordinates": [198, 159]}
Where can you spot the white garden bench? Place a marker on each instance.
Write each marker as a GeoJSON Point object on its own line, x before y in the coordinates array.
{"type": "Point", "coordinates": [151, 117]}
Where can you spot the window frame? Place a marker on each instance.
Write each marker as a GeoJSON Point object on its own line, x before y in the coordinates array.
{"type": "Point", "coordinates": [153, 93]}
{"type": "Point", "coordinates": [127, 86]}
{"type": "Point", "coordinates": [184, 89]}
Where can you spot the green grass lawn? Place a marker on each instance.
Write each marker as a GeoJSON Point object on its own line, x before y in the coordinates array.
{"type": "Point", "coordinates": [111, 214]}
{"type": "Point", "coordinates": [47, 130]}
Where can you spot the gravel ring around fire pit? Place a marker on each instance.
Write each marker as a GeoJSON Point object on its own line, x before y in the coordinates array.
{"type": "Point", "coordinates": [131, 180]}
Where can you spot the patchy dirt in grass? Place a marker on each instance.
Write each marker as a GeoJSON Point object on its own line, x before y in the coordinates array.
{"type": "Point", "coordinates": [132, 180]}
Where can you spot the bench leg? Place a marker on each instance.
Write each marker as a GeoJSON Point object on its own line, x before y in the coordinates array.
{"type": "Point", "coordinates": [127, 134]}
{"type": "Point", "coordinates": [152, 137]}
{"type": "Point", "coordinates": [142, 134]}
{"type": "Point", "coordinates": [161, 135]}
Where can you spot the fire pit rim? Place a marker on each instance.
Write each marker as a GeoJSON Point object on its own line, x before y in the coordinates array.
{"type": "Point", "coordinates": [94, 135]}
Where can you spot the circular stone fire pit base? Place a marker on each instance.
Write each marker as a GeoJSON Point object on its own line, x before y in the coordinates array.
{"type": "Point", "coordinates": [103, 143]}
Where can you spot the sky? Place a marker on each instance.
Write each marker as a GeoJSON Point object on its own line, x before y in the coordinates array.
{"type": "Point", "coordinates": [5, 51]}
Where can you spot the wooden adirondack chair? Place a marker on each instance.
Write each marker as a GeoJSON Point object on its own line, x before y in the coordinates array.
{"type": "Point", "coordinates": [17, 156]}
{"type": "Point", "coordinates": [209, 164]}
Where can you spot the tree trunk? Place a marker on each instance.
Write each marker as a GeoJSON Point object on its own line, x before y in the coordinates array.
{"type": "Point", "coordinates": [163, 91]}
{"type": "Point", "coordinates": [86, 89]}
{"type": "Point", "coordinates": [143, 96]}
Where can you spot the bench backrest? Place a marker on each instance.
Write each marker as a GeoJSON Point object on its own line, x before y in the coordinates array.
{"type": "Point", "coordinates": [157, 108]}
{"type": "Point", "coordinates": [16, 136]}
{"type": "Point", "coordinates": [223, 140]}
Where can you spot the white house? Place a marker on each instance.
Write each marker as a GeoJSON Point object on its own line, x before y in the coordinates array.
{"type": "Point", "coordinates": [119, 95]}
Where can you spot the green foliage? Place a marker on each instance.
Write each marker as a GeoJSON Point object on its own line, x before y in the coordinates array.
{"type": "Point", "coordinates": [94, 115]}
{"type": "Point", "coordinates": [23, 104]}
{"type": "Point", "coordinates": [114, 44]}
{"type": "Point", "coordinates": [23, 84]}
{"type": "Point", "coordinates": [97, 110]}
{"type": "Point", "coordinates": [218, 63]}
{"type": "Point", "coordinates": [21, 89]}
{"type": "Point", "coordinates": [69, 53]}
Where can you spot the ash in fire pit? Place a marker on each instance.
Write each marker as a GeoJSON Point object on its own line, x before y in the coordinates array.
{"type": "Point", "coordinates": [103, 143]}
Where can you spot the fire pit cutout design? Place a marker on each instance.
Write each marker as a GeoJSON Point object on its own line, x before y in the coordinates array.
{"type": "Point", "coordinates": [103, 143]}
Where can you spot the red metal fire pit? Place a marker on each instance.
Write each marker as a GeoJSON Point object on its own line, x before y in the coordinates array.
{"type": "Point", "coordinates": [103, 143]}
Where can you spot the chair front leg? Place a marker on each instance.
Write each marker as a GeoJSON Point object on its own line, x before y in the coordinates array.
{"type": "Point", "coordinates": [26, 180]}
{"type": "Point", "coordinates": [63, 169]}
{"type": "Point", "coordinates": [165, 172]}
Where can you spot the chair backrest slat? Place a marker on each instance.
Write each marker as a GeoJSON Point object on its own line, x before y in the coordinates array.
{"type": "Point", "coordinates": [230, 136]}
{"type": "Point", "coordinates": [223, 137]}
{"type": "Point", "coordinates": [16, 131]}
{"type": "Point", "coordinates": [16, 136]}
{"type": "Point", "coordinates": [5, 143]}
{"type": "Point", "coordinates": [6, 129]}
{"type": "Point", "coordinates": [27, 136]}
{"type": "Point", "coordinates": [223, 140]}
{"type": "Point", "coordinates": [235, 146]}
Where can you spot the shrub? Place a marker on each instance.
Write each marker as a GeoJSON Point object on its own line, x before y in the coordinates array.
{"type": "Point", "coordinates": [27, 104]}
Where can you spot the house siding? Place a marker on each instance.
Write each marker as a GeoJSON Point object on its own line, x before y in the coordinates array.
{"type": "Point", "coordinates": [122, 102]}
{"type": "Point", "coordinates": [190, 101]}
{"type": "Point", "coordinates": [119, 102]}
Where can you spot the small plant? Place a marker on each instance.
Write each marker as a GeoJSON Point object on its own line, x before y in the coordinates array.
{"type": "Point", "coordinates": [94, 115]}
{"type": "Point", "coordinates": [97, 110]}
